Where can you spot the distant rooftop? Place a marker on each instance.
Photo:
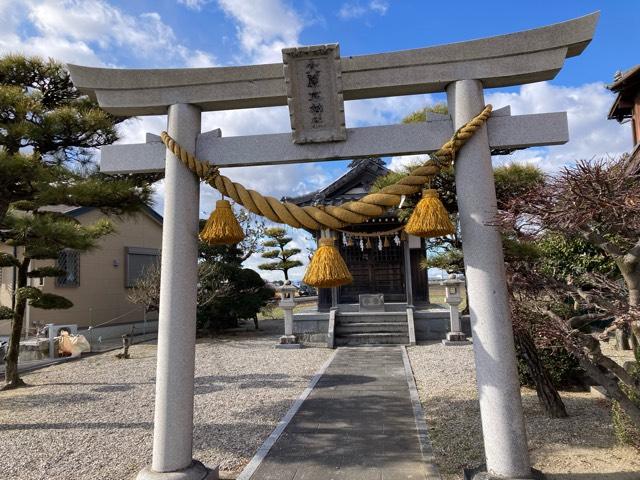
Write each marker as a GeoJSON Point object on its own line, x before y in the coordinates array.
{"type": "Point", "coordinates": [75, 211]}
{"type": "Point", "coordinates": [352, 185]}
{"type": "Point", "coordinates": [627, 86]}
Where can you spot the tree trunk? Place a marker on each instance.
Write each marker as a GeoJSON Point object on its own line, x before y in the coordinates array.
{"type": "Point", "coordinates": [612, 388]}
{"type": "Point", "coordinates": [547, 393]}
{"type": "Point", "coordinates": [12, 379]}
{"type": "Point", "coordinates": [622, 339]}
{"type": "Point", "coordinates": [630, 269]}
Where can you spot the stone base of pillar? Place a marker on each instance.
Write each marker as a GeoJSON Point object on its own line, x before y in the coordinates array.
{"type": "Point", "coordinates": [288, 341]}
{"type": "Point", "coordinates": [456, 339]}
{"type": "Point", "coordinates": [196, 471]}
{"type": "Point", "coordinates": [480, 473]}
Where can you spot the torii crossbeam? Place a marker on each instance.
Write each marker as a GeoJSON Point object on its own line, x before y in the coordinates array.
{"type": "Point", "coordinates": [462, 69]}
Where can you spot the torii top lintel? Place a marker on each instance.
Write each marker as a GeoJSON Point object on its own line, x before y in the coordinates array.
{"type": "Point", "coordinates": [500, 61]}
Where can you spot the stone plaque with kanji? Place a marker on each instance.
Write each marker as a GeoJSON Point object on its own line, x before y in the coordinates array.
{"type": "Point", "coordinates": [314, 93]}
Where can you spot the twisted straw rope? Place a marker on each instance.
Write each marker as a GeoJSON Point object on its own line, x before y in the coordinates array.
{"type": "Point", "coordinates": [330, 216]}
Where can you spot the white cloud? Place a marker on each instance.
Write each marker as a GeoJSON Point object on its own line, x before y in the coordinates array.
{"type": "Point", "coordinates": [357, 9]}
{"type": "Point", "coordinates": [379, 6]}
{"type": "Point", "coordinates": [384, 111]}
{"type": "Point", "coordinates": [194, 4]}
{"type": "Point", "coordinates": [89, 31]}
{"type": "Point", "coordinates": [590, 133]}
{"type": "Point", "coordinates": [264, 27]}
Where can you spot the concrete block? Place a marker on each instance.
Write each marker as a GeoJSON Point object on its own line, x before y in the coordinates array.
{"type": "Point", "coordinates": [196, 471]}
{"type": "Point", "coordinates": [289, 346]}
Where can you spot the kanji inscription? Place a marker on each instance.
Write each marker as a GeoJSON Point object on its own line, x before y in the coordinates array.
{"type": "Point", "coordinates": [314, 93]}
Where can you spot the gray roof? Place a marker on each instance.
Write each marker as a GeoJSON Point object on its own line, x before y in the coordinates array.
{"type": "Point", "coordinates": [75, 211]}
{"type": "Point", "coordinates": [353, 185]}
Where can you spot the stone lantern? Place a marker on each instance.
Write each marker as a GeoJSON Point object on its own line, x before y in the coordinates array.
{"type": "Point", "coordinates": [287, 303]}
{"type": "Point", "coordinates": [453, 297]}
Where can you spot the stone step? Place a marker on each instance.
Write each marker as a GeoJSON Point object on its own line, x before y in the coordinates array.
{"type": "Point", "coordinates": [371, 339]}
{"type": "Point", "coordinates": [373, 327]}
{"type": "Point", "coordinates": [388, 307]}
{"type": "Point", "coordinates": [378, 317]}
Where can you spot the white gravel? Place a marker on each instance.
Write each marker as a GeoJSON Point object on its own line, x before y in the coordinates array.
{"type": "Point", "coordinates": [93, 418]}
{"type": "Point", "coordinates": [580, 447]}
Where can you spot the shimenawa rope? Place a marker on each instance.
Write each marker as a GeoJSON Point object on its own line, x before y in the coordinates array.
{"type": "Point", "coordinates": [331, 216]}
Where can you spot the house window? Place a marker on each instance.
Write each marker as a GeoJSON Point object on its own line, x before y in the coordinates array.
{"type": "Point", "coordinates": [139, 261]}
{"type": "Point", "coordinates": [69, 261]}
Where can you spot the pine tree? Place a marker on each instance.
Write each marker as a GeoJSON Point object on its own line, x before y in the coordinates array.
{"type": "Point", "coordinates": [278, 240]}
{"type": "Point", "coordinates": [48, 131]}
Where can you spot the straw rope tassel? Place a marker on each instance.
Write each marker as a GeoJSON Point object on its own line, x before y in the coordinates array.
{"type": "Point", "coordinates": [222, 227]}
{"type": "Point", "coordinates": [429, 218]}
{"type": "Point", "coordinates": [327, 268]}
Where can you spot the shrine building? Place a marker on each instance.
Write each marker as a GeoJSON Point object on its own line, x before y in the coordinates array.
{"type": "Point", "coordinates": [374, 250]}
{"type": "Point", "coordinates": [388, 300]}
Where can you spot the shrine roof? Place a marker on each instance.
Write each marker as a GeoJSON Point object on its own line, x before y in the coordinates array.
{"type": "Point", "coordinates": [352, 185]}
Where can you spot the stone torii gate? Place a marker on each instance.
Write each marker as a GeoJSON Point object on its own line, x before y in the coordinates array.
{"type": "Point", "coordinates": [462, 70]}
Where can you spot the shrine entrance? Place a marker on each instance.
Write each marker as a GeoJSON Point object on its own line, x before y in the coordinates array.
{"type": "Point", "coordinates": [314, 82]}
{"type": "Point", "coordinates": [374, 270]}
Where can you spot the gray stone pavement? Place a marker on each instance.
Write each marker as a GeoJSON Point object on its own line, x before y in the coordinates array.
{"type": "Point", "coordinates": [357, 424]}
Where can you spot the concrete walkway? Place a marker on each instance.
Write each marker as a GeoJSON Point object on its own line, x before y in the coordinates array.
{"type": "Point", "coordinates": [358, 423]}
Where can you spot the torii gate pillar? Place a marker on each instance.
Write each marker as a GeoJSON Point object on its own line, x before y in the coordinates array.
{"type": "Point", "coordinates": [505, 438]}
{"type": "Point", "coordinates": [173, 418]}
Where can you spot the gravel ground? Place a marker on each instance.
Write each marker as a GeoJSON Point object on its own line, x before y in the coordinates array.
{"type": "Point", "coordinates": [581, 447]}
{"type": "Point", "coordinates": [93, 418]}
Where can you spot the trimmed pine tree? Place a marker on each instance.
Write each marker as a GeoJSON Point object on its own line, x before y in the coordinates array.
{"type": "Point", "coordinates": [48, 133]}
{"type": "Point", "coordinates": [277, 241]}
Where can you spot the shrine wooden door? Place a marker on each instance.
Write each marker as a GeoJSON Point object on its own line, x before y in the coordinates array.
{"type": "Point", "coordinates": [374, 271]}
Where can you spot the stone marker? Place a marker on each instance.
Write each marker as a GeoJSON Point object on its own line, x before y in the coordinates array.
{"type": "Point", "coordinates": [371, 302]}
{"type": "Point", "coordinates": [314, 93]}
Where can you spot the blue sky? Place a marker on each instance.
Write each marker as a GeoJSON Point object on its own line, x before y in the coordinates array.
{"type": "Point", "coordinates": [198, 33]}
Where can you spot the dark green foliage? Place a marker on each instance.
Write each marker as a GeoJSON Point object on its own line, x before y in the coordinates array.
{"type": "Point", "coordinates": [7, 260]}
{"type": "Point", "coordinates": [515, 180]}
{"type": "Point", "coordinates": [451, 261]}
{"type": "Point", "coordinates": [29, 293]}
{"type": "Point", "coordinates": [5, 313]}
{"type": "Point", "coordinates": [227, 292]}
{"type": "Point", "coordinates": [40, 108]}
{"type": "Point", "coordinates": [562, 256]}
{"type": "Point", "coordinates": [563, 368]}
{"type": "Point", "coordinates": [43, 272]}
{"type": "Point", "coordinates": [231, 293]}
{"type": "Point", "coordinates": [44, 236]}
{"type": "Point", "coordinates": [625, 430]}
{"type": "Point", "coordinates": [50, 301]}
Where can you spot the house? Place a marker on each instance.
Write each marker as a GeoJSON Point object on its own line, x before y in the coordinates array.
{"type": "Point", "coordinates": [626, 108]}
{"type": "Point", "coordinates": [97, 281]}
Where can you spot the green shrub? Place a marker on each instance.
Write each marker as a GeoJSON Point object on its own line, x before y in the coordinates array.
{"type": "Point", "coordinates": [247, 295]}
{"type": "Point", "coordinates": [5, 313]}
{"type": "Point", "coordinates": [51, 301]}
{"type": "Point", "coordinates": [625, 430]}
{"type": "Point", "coordinates": [563, 368]}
